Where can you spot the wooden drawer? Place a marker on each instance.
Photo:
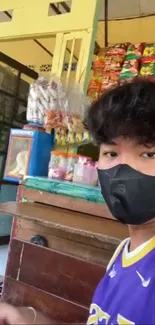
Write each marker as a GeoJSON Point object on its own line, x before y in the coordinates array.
{"type": "Point", "coordinates": [90, 249]}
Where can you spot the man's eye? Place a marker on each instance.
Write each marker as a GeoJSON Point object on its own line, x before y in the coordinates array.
{"type": "Point", "coordinates": [110, 154]}
{"type": "Point", "coordinates": [148, 155]}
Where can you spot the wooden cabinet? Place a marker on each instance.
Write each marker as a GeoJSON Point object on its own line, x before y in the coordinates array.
{"type": "Point", "coordinates": [58, 279]}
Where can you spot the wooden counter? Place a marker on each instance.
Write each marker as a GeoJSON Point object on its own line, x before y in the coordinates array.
{"type": "Point", "coordinates": [80, 237]}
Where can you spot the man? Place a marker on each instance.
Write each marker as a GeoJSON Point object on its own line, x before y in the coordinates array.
{"type": "Point", "coordinates": [122, 123]}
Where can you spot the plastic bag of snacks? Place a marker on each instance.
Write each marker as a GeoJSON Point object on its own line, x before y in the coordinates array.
{"type": "Point", "coordinates": [117, 49]}
{"type": "Point", "coordinates": [75, 106]}
{"type": "Point", "coordinates": [148, 70]}
{"type": "Point", "coordinates": [149, 50]}
{"type": "Point", "coordinates": [113, 63]}
{"type": "Point", "coordinates": [134, 51]}
{"type": "Point", "coordinates": [109, 80]}
{"type": "Point", "coordinates": [94, 89]}
{"type": "Point", "coordinates": [44, 96]}
{"type": "Point", "coordinates": [98, 67]}
{"type": "Point", "coordinates": [130, 69]}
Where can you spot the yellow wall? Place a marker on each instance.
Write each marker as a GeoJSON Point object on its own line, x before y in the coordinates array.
{"type": "Point", "coordinates": [131, 30]}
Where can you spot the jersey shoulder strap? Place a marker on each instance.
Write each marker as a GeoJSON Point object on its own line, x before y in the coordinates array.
{"type": "Point", "coordinates": [117, 251]}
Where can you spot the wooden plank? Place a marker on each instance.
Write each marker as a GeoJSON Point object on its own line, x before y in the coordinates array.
{"type": "Point", "coordinates": [98, 210]}
{"type": "Point", "coordinates": [60, 274]}
{"type": "Point", "coordinates": [98, 242]}
{"type": "Point", "coordinates": [54, 272]}
{"type": "Point", "coordinates": [63, 311]}
{"type": "Point", "coordinates": [88, 249]}
{"type": "Point", "coordinates": [13, 261]}
{"type": "Point", "coordinates": [65, 219]}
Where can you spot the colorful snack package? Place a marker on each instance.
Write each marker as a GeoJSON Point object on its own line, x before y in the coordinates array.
{"type": "Point", "coordinates": [117, 49]}
{"type": "Point", "coordinates": [94, 89]}
{"type": "Point", "coordinates": [148, 70]}
{"type": "Point", "coordinates": [109, 80]}
{"type": "Point", "coordinates": [134, 51]}
{"type": "Point", "coordinates": [147, 60]}
{"type": "Point", "coordinates": [130, 69]}
{"type": "Point", "coordinates": [113, 63]}
{"type": "Point", "coordinates": [149, 50]}
{"type": "Point", "coordinates": [98, 67]}
{"type": "Point", "coordinates": [53, 118]}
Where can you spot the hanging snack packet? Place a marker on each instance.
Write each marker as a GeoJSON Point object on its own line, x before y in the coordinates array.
{"type": "Point", "coordinates": [117, 49]}
{"type": "Point", "coordinates": [130, 69]}
{"type": "Point", "coordinates": [113, 63]}
{"type": "Point", "coordinates": [148, 70]}
{"type": "Point", "coordinates": [98, 67]}
{"type": "Point", "coordinates": [134, 51]}
{"type": "Point", "coordinates": [149, 50]}
{"type": "Point", "coordinates": [94, 89]}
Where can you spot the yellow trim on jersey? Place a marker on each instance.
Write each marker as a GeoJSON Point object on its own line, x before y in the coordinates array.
{"type": "Point", "coordinates": [117, 251]}
{"type": "Point", "coordinates": [131, 260]}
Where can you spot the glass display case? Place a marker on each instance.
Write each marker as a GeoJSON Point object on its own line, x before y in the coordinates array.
{"type": "Point", "coordinates": [15, 79]}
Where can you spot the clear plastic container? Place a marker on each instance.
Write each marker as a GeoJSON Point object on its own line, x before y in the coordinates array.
{"type": "Point", "coordinates": [57, 165]}
{"type": "Point", "coordinates": [85, 174]}
{"type": "Point", "coordinates": [83, 160]}
{"type": "Point", "coordinates": [72, 160]}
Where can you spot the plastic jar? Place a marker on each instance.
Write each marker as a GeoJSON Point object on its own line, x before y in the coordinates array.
{"type": "Point", "coordinates": [85, 174]}
{"type": "Point", "coordinates": [57, 165]}
{"type": "Point", "coordinates": [83, 160]}
{"type": "Point", "coordinates": [72, 160]}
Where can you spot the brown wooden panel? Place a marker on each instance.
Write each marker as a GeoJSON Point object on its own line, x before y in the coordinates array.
{"type": "Point", "coordinates": [20, 294]}
{"type": "Point", "coordinates": [56, 273]}
{"type": "Point", "coordinates": [92, 239]}
{"type": "Point", "coordinates": [65, 219]}
{"type": "Point", "coordinates": [89, 249]}
{"type": "Point", "coordinates": [14, 256]}
{"type": "Point", "coordinates": [98, 210]}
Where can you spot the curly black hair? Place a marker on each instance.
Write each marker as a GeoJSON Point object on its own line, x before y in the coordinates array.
{"type": "Point", "coordinates": [127, 110]}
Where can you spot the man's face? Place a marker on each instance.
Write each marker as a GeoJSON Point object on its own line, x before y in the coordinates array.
{"type": "Point", "coordinates": [126, 151]}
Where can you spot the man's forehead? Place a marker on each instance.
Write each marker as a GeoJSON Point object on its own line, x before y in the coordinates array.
{"type": "Point", "coordinates": [126, 140]}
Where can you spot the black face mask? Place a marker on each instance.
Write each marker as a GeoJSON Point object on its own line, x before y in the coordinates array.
{"type": "Point", "coordinates": [129, 194]}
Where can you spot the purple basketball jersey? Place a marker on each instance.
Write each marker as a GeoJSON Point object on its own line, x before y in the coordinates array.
{"type": "Point", "coordinates": [126, 294]}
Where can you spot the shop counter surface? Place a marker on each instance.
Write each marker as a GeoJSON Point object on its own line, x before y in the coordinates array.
{"type": "Point", "coordinates": [74, 190]}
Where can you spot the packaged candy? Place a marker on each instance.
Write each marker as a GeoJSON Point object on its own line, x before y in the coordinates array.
{"type": "Point", "coordinates": [130, 69]}
{"type": "Point", "coordinates": [148, 70]}
{"type": "Point", "coordinates": [149, 50]}
{"type": "Point", "coordinates": [94, 89]}
{"type": "Point", "coordinates": [134, 51]}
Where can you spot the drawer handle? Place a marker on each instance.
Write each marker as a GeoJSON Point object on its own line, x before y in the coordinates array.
{"type": "Point", "coordinates": [39, 240]}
